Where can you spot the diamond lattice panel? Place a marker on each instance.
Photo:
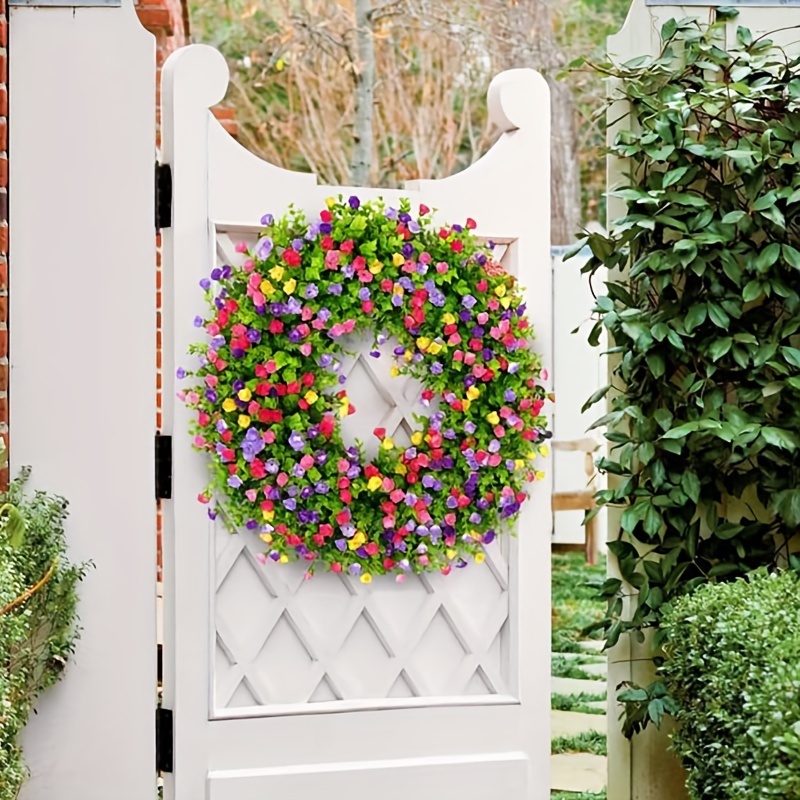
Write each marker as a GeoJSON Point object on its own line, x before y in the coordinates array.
{"type": "Point", "coordinates": [282, 640]}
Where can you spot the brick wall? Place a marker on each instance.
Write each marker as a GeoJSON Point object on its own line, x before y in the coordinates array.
{"type": "Point", "coordinates": [168, 21]}
{"type": "Point", "coordinates": [4, 235]}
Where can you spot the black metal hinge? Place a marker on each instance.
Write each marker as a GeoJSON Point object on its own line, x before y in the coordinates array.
{"type": "Point", "coordinates": [163, 467]}
{"type": "Point", "coordinates": [163, 196]}
{"type": "Point", "coordinates": [164, 739]}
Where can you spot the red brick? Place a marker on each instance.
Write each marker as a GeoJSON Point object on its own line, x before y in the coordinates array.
{"type": "Point", "coordinates": [3, 377]}
{"type": "Point", "coordinates": [3, 274]}
{"type": "Point", "coordinates": [3, 135]}
{"type": "Point", "coordinates": [3, 172]}
{"type": "Point", "coordinates": [3, 67]}
{"type": "Point", "coordinates": [3, 32]}
{"type": "Point", "coordinates": [3, 344]}
{"type": "Point", "coordinates": [156, 20]}
{"type": "Point", "coordinates": [3, 245]}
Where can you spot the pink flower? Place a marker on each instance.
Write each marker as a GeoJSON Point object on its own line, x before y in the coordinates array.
{"type": "Point", "coordinates": [268, 436]}
{"type": "Point", "coordinates": [211, 381]}
{"type": "Point", "coordinates": [306, 348]}
{"type": "Point", "coordinates": [332, 259]}
{"type": "Point", "coordinates": [251, 495]}
{"type": "Point", "coordinates": [199, 441]}
{"type": "Point", "coordinates": [442, 267]}
{"type": "Point", "coordinates": [282, 479]}
{"type": "Point", "coordinates": [483, 318]}
{"type": "Point", "coordinates": [261, 558]}
{"type": "Point", "coordinates": [241, 247]}
{"type": "Point", "coordinates": [249, 265]}
{"type": "Point", "coordinates": [307, 461]}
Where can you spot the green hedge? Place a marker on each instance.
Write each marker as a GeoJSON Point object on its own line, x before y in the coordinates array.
{"type": "Point", "coordinates": [37, 615]}
{"type": "Point", "coordinates": [733, 667]}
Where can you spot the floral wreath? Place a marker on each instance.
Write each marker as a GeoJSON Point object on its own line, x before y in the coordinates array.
{"type": "Point", "coordinates": [269, 393]}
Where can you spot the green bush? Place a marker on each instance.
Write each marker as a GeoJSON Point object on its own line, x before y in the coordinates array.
{"type": "Point", "coordinates": [37, 614]}
{"type": "Point", "coordinates": [733, 666]}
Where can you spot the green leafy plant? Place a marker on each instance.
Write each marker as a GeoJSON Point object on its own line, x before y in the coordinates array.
{"type": "Point", "coordinates": [581, 703]}
{"type": "Point", "coordinates": [704, 313]}
{"type": "Point", "coordinates": [37, 614]}
{"type": "Point", "coordinates": [591, 742]}
{"type": "Point", "coordinates": [733, 667]}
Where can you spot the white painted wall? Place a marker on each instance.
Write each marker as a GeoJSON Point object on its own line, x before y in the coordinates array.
{"type": "Point", "coordinates": [580, 371]}
{"type": "Point", "coordinates": [83, 372]}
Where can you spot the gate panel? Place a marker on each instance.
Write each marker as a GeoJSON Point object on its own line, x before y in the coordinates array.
{"type": "Point", "coordinates": [293, 687]}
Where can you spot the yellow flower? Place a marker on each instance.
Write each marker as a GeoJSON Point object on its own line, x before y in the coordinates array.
{"type": "Point", "coordinates": [465, 404]}
{"type": "Point", "coordinates": [268, 515]}
{"type": "Point", "coordinates": [448, 319]}
{"type": "Point", "coordinates": [394, 371]}
{"type": "Point", "coordinates": [539, 475]}
{"type": "Point", "coordinates": [400, 469]}
{"type": "Point", "coordinates": [374, 483]}
{"type": "Point", "coordinates": [344, 407]}
{"type": "Point", "coordinates": [375, 267]}
{"type": "Point", "coordinates": [267, 288]}
{"type": "Point", "coordinates": [279, 65]}
{"type": "Point", "coordinates": [505, 301]}
{"type": "Point", "coordinates": [398, 259]}
{"type": "Point", "coordinates": [276, 273]}
{"type": "Point", "coordinates": [330, 202]}
{"type": "Point", "coordinates": [357, 540]}
{"type": "Point", "coordinates": [473, 393]}
{"type": "Point", "coordinates": [229, 405]}
{"type": "Point", "coordinates": [423, 343]}
{"type": "Point", "coordinates": [416, 438]}
{"type": "Point", "coordinates": [500, 291]}
{"type": "Point", "coordinates": [480, 558]}
{"type": "Point", "coordinates": [366, 578]}
{"type": "Point", "coordinates": [544, 450]}
{"type": "Point", "coordinates": [284, 559]}
{"type": "Point", "coordinates": [435, 348]}
{"type": "Point", "coordinates": [387, 443]}
{"type": "Point", "coordinates": [245, 394]}
{"type": "Point", "coordinates": [407, 355]}
{"type": "Point", "coordinates": [450, 553]}
{"type": "Point", "coordinates": [290, 286]}
{"type": "Point", "coordinates": [311, 397]}
{"type": "Point", "coordinates": [266, 537]}
{"type": "Point", "coordinates": [244, 421]}
{"type": "Point", "coordinates": [519, 463]}
{"type": "Point", "coordinates": [493, 418]}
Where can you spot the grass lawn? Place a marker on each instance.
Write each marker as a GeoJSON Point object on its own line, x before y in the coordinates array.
{"type": "Point", "coordinates": [574, 606]}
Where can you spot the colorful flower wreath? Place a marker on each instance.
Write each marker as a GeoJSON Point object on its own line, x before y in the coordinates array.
{"type": "Point", "coordinates": [269, 394]}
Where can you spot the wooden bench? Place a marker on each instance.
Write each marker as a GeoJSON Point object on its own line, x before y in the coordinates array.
{"type": "Point", "coordinates": [581, 500]}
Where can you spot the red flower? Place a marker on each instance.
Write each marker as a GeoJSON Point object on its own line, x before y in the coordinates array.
{"type": "Point", "coordinates": [457, 246]}
{"type": "Point", "coordinates": [347, 247]}
{"type": "Point", "coordinates": [293, 387]}
{"type": "Point", "coordinates": [444, 233]}
{"type": "Point", "coordinates": [308, 379]}
{"type": "Point", "coordinates": [326, 243]}
{"type": "Point", "coordinates": [372, 549]}
{"type": "Point", "coordinates": [325, 216]}
{"type": "Point", "coordinates": [336, 567]}
{"type": "Point", "coordinates": [326, 530]}
{"type": "Point", "coordinates": [343, 517]}
{"type": "Point", "coordinates": [471, 224]}
{"type": "Point", "coordinates": [257, 469]}
{"type": "Point", "coordinates": [291, 257]}
{"type": "Point", "coordinates": [275, 326]}
{"type": "Point", "coordinates": [380, 433]}
{"type": "Point", "coordinates": [423, 210]}
{"type": "Point", "coordinates": [370, 471]}
{"type": "Point", "coordinates": [388, 564]}
{"type": "Point", "coordinates": [326, 426]}
{"type": "Point", "coordinates": [386, 285]}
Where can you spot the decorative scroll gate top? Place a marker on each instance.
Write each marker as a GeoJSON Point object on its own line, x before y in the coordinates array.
{"type": "Point", "coordinates": [256, 656]}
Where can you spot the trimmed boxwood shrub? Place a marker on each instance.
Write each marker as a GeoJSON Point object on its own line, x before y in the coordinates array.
{"type": "Point", "coordinates": [733, 668]}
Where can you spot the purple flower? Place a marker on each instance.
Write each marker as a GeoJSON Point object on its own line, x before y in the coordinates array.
{"type": "Point", "coordinates": [205, 283]}
{"type": "Point", "coordinates": [449, 434]}
{"type": "Point", "coordinates": [324, 314]}
{"type": "Point", "coordinates": [311, 291]}
{"type": "Point", "coordinates": [238, 385]}
{"type": "Point", "coordinates": [321, 487]}
{"type": "Point", "coordinates": [390, 213]}
{"type": "Point", "coordinates": [296, 441]}
{"type": "Point", "coordinates": [397, 300]}
{"type": "Point", "coordinates": [325, 228]}
{"type": "Point", "coordinates": [335, 288]}
{"type": "Point", "coordinates": [198, 322]}
{"type": "Point", "coordinates": [264, 248]}
{"type": "Point", "coordinates": [348, 271]}
{"type": "Point", "coordinates": [272, 466]}
{"type": "Point", "coordinates": [354, 202]}
{"type": "Point", "coordinates": [298, 471]}
{"type": "Point", "coordinates": [469, 426]}
{"type": "Point", "coordinates": [363, 293]}
{"type": "Point", "coordinates": [254, 335]}
{"type": "Point", "coordinates": [341, 544]}
{"type": "Point", "coordinates": [180, 373]}
{"type": "Point", "coordinates": [513, 368]}
{"type": "Point", "coordinates": [475, 518]}
{"type": "Point", "coordinates": [313, 231]}
{"type": "Point", "coordinates": [234, 481]}
{"type": "Point", "coordinates": [465, 316]}
{"type": "Point", "coordinates": [407, 250]}
{"type": "Point", "coordinates": [437, 298]}
{"type": "Point", "coordinates": [221, 426]}
{"type": "Point", "coordinates": [468, 301]}
{"type": "Point", "coordinates": [293, 306]}
{"type": "Point", "coordinates": [267, 220]}
{"type": "Point", "coordinates": [354, 569]}
{"type": "Point", "coordinates": [211, 396]}
{"type": "Point", "coordinates": [406, 283]}
{"type": "Point", "coordinates": [290, 504]}
{"type": "Point", "coordinates": [494, 446]}
{"type": "Point", "coordinates": [297, 245]}
{"type": "Point", "coordinates": [510, 396]}
{"type": "Point", "coordinates": [252, 444]}
{"type": "Point", "coordinates": [436, 368]}
{"type": "Point", "coordinates": [216, 274]}
{"type": "Point", "coordinates": [413, 226]}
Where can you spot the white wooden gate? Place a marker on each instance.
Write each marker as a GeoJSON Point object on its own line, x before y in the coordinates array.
{"type": "Point", "coordinates": [293, 689]}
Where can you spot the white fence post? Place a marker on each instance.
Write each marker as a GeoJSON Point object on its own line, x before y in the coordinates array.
{"type": "Point", "coordinates": [83, 373]}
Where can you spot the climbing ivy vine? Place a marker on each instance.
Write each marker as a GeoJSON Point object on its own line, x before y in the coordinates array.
{"type": "Point", "coordinates": [703, 308]}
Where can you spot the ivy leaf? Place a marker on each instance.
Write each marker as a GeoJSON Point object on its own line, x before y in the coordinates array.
{"type": "Point", "coordinates": [695, 317]}
{"type": "Point", "coordinates": [690, 484]}
{"type": "Point", "coordinates": [777, 437]}
{"type": "Point", "coordinates": [719, 347]}
{"type": "Point", "coordinates": [791, 255]}
{"type": "Point", "coordinates": [595, 398]}
{"type": "Point", "coordinates": [792, 355]}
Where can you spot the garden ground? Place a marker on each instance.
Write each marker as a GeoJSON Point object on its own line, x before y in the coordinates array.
{"type": "Point", "coordinates": [578, 719]}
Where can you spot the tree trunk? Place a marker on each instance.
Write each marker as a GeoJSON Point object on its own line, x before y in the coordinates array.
{"type": "Point", "coordinates": [530, 42]}
{"type": "Point", "coordinates": [364, 69]}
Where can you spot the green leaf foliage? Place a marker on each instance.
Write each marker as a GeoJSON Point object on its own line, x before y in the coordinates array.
{"type": "Point", "coordinates": [37, 615]}
{"type": "Point", "coordinates": [703, 315]}
{"type": "Point", "coordinates": [733, 675]}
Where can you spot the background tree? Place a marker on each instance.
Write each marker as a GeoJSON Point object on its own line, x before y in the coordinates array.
{"type": "Point", "coordinates": [371, 92]}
